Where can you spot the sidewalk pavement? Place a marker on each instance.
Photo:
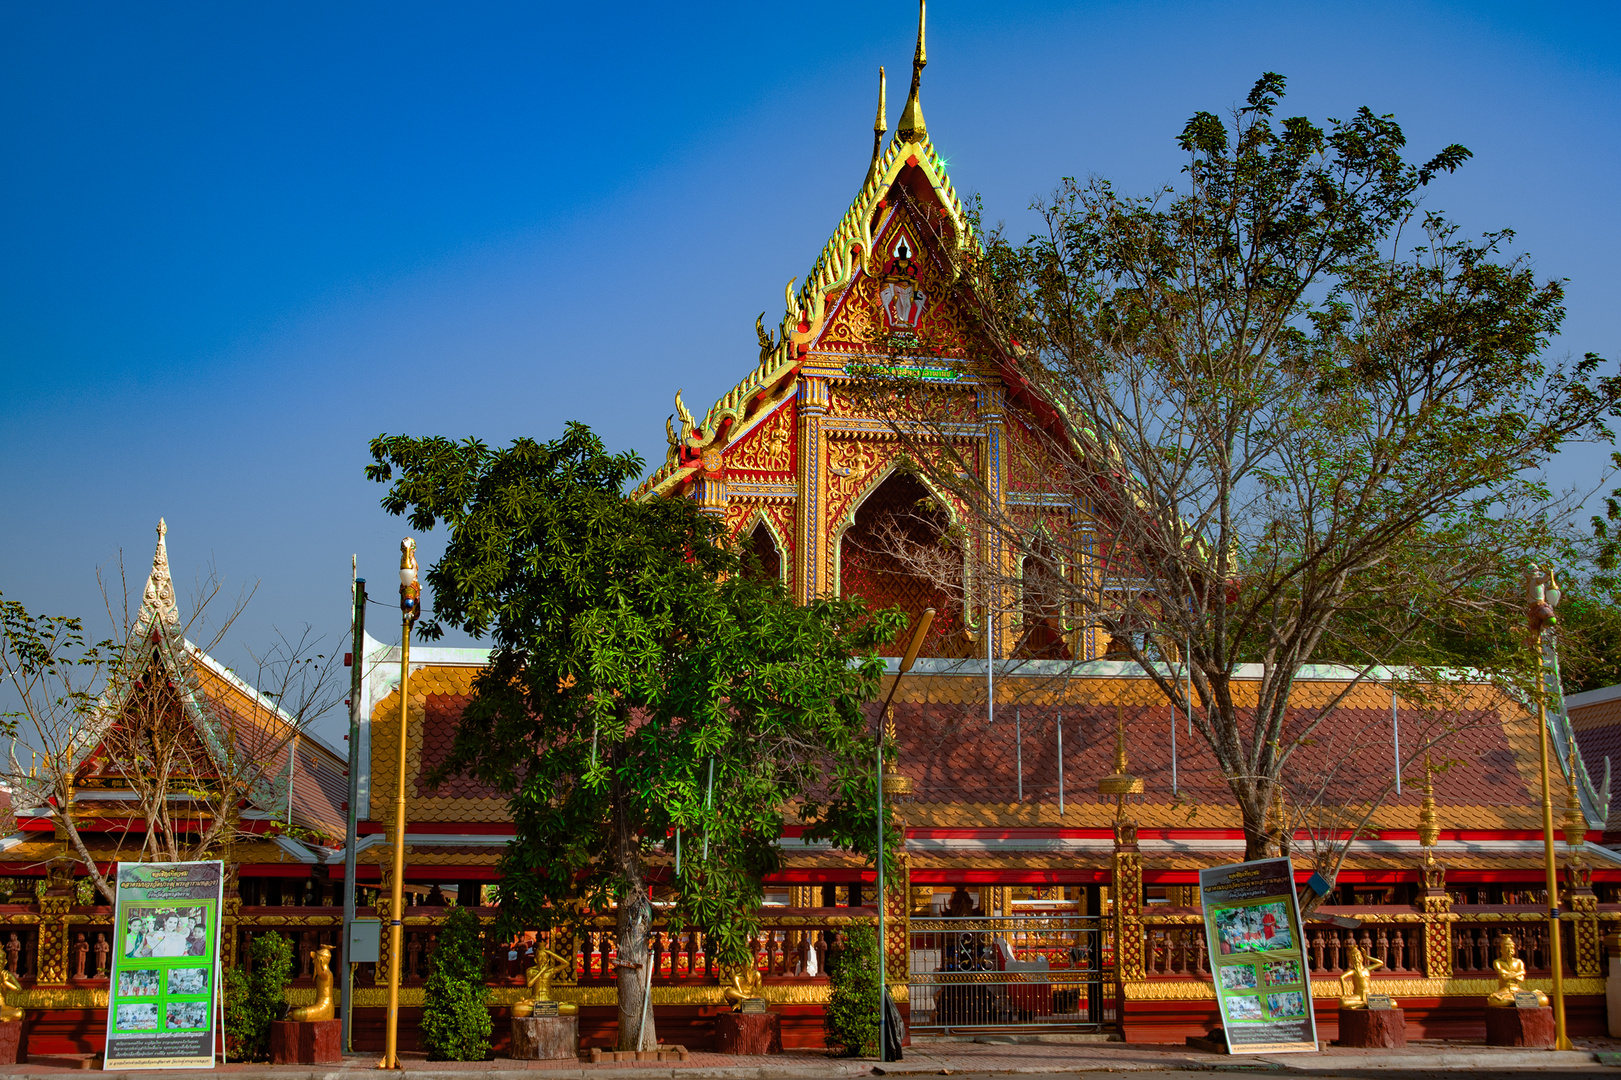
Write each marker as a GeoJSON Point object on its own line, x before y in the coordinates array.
{"type": "Point", "coordinates": [1047, 1055]}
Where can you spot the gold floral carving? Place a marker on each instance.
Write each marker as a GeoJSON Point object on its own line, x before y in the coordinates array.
{"type": "Point", "coordinates": [855, 321]}
{"type": "Point", "coordinates": [768, 448]}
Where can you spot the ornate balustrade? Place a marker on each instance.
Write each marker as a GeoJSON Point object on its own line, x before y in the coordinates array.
{"type": "Point", "coordinates": [1451, 941]}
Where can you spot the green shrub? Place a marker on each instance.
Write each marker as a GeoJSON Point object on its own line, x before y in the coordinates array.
{"type": "Point", "coordinates": [253, 1001]}
{"type": "Point", "coordinates": [455, 1016]}
{"type": "Point", "coordinates": [850, 1021]}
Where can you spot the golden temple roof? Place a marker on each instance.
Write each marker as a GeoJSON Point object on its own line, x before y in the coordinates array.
{"type": "Point", "coordinates": [846, 252]}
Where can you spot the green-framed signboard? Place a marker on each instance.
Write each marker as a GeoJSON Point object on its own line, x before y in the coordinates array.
{"type": "Point", "coordinates": [163, 994]}
{"type": "Point", "coordinates": [1258, 957]}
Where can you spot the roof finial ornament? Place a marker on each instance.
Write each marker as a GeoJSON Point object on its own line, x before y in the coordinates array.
{"type": "Point", "coordinates": [1120, 783]}
{"type": "Point", "coordinates": [879, 126]}
{"type": "Point", "coordinates": [910, 128]}
{"type": "Point", "coordinates": [157, 597]}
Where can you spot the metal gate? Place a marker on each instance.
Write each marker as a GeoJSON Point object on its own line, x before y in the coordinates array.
{"type": "Point", "coordinates": [1024, 972]}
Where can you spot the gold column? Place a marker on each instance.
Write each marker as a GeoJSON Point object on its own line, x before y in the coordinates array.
{"type": "Point", "coordinates": [1437, 903]}
{"type": "Point", "coordinates": [1579, 895]}
{"type": "Point", "coordinates": [53, 939]}
{"type": "Point", "coordinates": [898, 927]}
{"type": "Point", "coordinates": [1126, 884]}
{"type": "Point", "coordinates": [811, 579]}
{"type": "Point", "coordinates": [228, 931]}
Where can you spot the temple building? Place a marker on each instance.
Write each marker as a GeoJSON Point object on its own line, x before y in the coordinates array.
{"type": "Point", "coordinates": [1057, 810]}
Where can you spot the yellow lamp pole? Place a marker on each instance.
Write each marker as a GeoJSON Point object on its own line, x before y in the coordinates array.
{"type": "Point", "coordinates": [410, 608]}
{"type": "Point", "coordinates": [1542, 594]}
{"type": "Point", "coordinates": [918, 631]}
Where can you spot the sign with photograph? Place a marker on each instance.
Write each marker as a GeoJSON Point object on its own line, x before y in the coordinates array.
{"type": "Point", "coordinates": [1252, 926]}
{"type": "Point", "coordinates": [162, 1005]}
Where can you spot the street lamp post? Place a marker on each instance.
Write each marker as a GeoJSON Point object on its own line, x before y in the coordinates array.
{"type": "Point", "coordinates": [1542, 595]}
{"type": "Point", "coordinates": [410, 608]}
{"type": "Point", "coordinates": [884, 731]}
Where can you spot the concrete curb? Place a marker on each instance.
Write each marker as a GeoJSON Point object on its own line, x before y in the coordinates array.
{"type": "Point", "coordinates": [1444, 1059]}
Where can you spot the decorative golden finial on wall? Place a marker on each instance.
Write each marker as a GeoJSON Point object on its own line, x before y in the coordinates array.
{"type": "Point", "coordinates": [1120, 783]}
{"type": "Point", "coordinates": [910, 128]}
{"type": "Point", "coordinates": [1429, 826]}
{"type": "Point", "coordinates": [1575, 822]}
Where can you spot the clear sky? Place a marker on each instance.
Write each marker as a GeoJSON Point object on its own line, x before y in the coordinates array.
{"type": "Point", "coordinates": [240, 240]}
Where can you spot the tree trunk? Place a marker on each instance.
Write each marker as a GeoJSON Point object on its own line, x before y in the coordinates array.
{"type": "Point", "coordinates": [631, 931]}
{"type": "Point", "coordinates": [1257, 831]}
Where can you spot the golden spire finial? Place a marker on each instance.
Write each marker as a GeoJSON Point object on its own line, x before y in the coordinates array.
{"type": "Point", "coordinates": [879, 126]}
{"type": "Point", "coordinates": [1120, 783]}
{"type": "Point", "coordinates": [911, 128]}
{"type": "Point", "coordinates": [1429, 827]}
{"type": "Point", "coordinates": [1575, 823]}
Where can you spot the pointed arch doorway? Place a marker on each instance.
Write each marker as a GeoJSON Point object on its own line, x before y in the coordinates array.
{"type": "Point", "coordinates": [898, 552]}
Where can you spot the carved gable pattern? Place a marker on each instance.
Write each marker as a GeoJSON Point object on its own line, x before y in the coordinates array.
{"type": "Point", "coordinates": [769, 448]}
{"type": "Point", "coordinates": [905, 299]}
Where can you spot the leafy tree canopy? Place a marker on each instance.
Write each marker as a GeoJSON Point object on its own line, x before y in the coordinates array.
{"type": "Point", "coordinates": [643, 692]}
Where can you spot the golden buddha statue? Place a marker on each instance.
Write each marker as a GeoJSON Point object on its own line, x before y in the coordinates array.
{"type": "Point", "coordinates": [539, 978]}
{"type": "Point", "coordinates": [324, 1007]}
{"type": "Point", "coordinates": [9, 1014]}
{"type": "Point", "coordinates": [1359, 969]}
{"type": "Point", "coordinates": [742, 982]}
{"type": "Point", "coordinates": [1510, 976]}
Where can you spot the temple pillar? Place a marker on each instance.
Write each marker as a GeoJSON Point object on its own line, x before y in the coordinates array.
{"type": "Point", "coordinates": [898, 926]}
{"type": "Point", "coordinates": [52, 964]}
{"type": "Point", "coordinates": [228, 923]}
{"type": "Point", "coordinates": [1126, 887]}
{"type": "Point", "coordinates": [811, 580]}
{"type": "Point", "coordinates": [1580, 899]}
{"type": "Point", "coordinates": [1437, 906]}
{"type": "Point", "coordinates": [996, 558]}
{"type": "Point", "coordinates": [380, 969]}
{"type": "Point", "coordinates": [709, 490]}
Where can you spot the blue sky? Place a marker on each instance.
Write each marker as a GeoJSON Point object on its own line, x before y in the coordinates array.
{"type": "Point", "coordinates": [240, 241]}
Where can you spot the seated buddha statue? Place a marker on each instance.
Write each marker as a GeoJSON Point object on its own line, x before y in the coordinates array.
{"type": "Point", "coordinates": [539, 978]}
{"type": "Point", "coordinates": [740, 982]}
{"type": "Point", "coordinates": [1510, 976]}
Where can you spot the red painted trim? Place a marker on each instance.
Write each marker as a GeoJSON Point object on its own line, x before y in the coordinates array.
{"type": "Point", "coordinates": [444, 828]}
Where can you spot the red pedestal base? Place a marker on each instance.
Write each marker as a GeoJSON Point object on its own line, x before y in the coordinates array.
{"type": "Point", "coordinates": [1519, 1027]}
{"type": "Point", "coordinates": [306, 1042]}
{"type": "Point", "coordinates": [1373, 1027]}
{"type": "Point", "coordinates": [748, 1033]}
{"type": "Point", "coordinates": [11, 1044]}
{"type": "Point", "coordinates": [545, 1038]}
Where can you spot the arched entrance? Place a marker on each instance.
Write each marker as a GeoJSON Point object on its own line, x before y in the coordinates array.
{"type": "Point", "coordinates": [898, 552]}
{"type": "Point", "coordinates": [767, 556]}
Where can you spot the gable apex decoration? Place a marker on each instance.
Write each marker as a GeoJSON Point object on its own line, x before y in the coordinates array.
{"type": "Point", "coordinates": [848, 250]}
{"type": "Point", "coordinates": [158, 605]}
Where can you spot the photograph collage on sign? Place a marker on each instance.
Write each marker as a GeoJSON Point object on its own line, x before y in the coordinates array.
{"type": "Point", "coordinates": [1252, 931]}
{"type": "Point", "coordinates": [173, 993]}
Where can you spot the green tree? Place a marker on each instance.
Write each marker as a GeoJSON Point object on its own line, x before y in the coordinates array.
{"type": "Point", "coordinates": [850, 1022]}
{"type": "Point", "coordinates": [253, 1001]}
{"type": "Point", "coordinates": [1299, 419]}
{"type": "Point", "coordinates": [642, 693]}
{"type": "Point", "coordinates": [455, 1013]}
